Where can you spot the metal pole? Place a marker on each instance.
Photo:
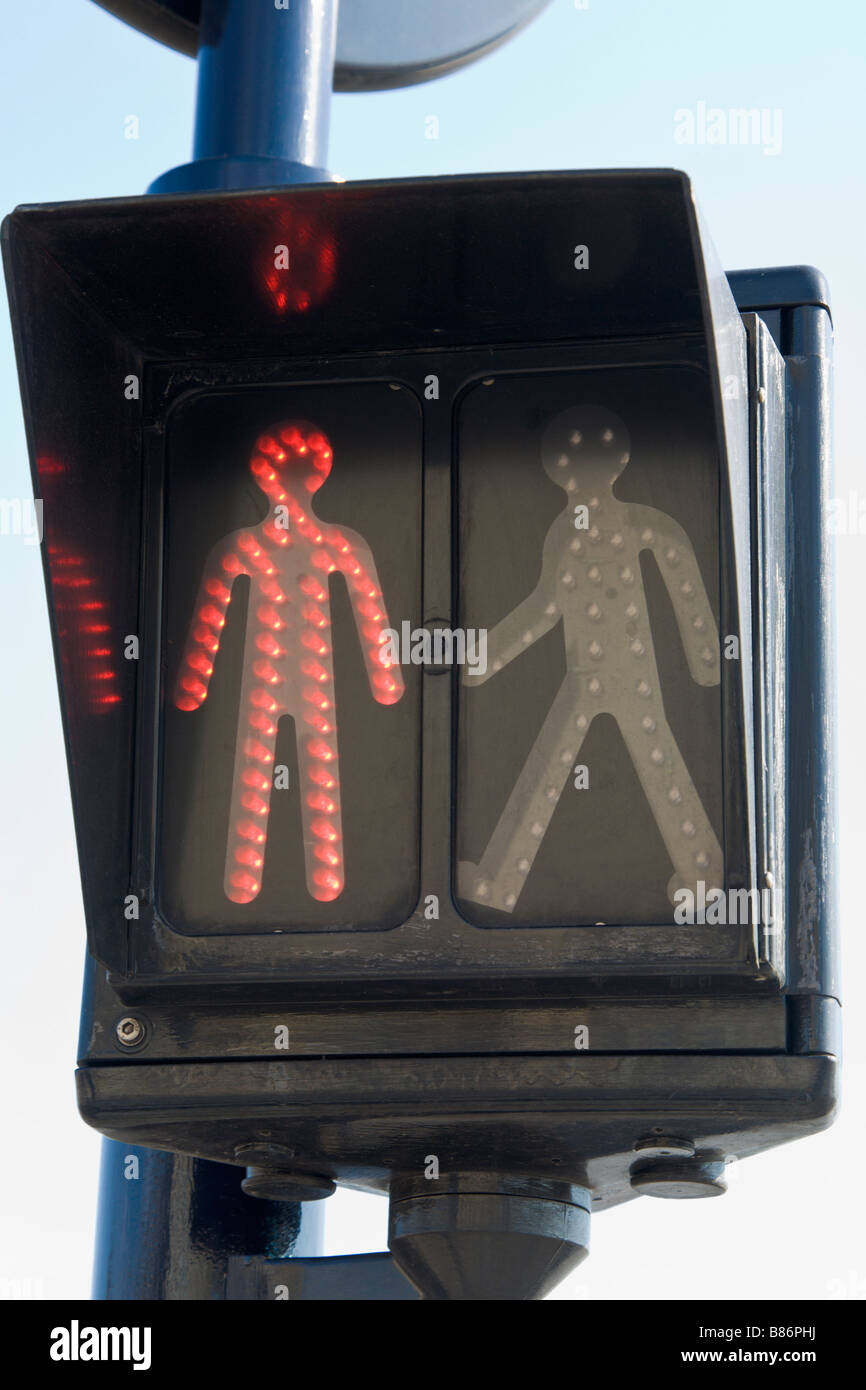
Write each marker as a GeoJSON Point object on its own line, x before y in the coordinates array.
{"type": "Point", "coordinates": [265, 73]}
{"type": "Point", "coordinates": [167, 1224]}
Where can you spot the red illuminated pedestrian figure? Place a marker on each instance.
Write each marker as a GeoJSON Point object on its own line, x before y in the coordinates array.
{"type": "Point", "coordinates": [591, 580]}
{"type": "Point", "coordinates": [288, 661]}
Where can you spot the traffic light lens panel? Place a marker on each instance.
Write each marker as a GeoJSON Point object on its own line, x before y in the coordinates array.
{"type": "Point", "coordinates": [290, 747]}
{"type": "Point", "coordinates": [589, 773]}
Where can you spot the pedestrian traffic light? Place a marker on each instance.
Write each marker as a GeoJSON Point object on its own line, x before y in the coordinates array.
{"type": "Point", "coordinates": [439, 593]}
{"type": "Point", "coordinates": [277, 795]}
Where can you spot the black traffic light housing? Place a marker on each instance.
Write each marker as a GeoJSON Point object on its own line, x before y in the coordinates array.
{"type": "Point", "coordinates": [436, 337]}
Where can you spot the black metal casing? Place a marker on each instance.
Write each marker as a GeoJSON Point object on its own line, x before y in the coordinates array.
{"type": "Point", "coordinates": [439, 1034]}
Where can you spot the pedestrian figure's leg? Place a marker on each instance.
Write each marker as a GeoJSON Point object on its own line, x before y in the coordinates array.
{"type": "Point", "coordinates": [683, 823]}
{"type": "Point", "coordinates": [498, 880]}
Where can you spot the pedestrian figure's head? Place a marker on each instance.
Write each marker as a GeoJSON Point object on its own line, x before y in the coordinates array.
{"type": "Point", "coordinates": [295, 457]}
{"type": "Point", "coordinates": [587, 446]}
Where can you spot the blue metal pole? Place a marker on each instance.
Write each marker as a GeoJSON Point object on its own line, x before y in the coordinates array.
{"type": "Point", "coordinates": [168, 1225]}
{"type": "Point", "coordinates": [265, 73]}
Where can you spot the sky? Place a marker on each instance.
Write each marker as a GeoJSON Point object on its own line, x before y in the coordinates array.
{"type": "Point", "coordinates": [597, 85]}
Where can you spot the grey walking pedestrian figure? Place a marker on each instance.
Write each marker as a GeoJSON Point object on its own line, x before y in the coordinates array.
{"type": "Point", "coordinates": [591, 579]}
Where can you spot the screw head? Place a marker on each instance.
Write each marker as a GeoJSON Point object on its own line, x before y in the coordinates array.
{"type": "Point", "coordinates": [129, 1031]}
{"type": "Point", "coordinates": [664, 1146]}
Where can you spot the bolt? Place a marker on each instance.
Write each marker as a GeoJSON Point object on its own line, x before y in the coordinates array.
{"type": "Point", "coordinates": [129, 1031]}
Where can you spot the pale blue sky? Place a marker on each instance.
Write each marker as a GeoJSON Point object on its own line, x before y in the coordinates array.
{"type": "Point", "coordinates": [581, 88]}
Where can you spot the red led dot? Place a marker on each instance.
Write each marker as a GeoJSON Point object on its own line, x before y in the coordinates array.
{"type": "Point", "coordinates": [313, 614]}
{"type": "Point", "coordinates": [327, 854]}
{"type": "Point", "coordinates": [257, 751]}
{"type": "Point", "coordinates": [269, 617]}
{"type": "Point", "coordinates": [242, 887]}
{"type": "Point", "coordinates": [212, 616]}
{"type": "Point", "coordinates": [262, 723]}
{"type": "Point", "coordinates": [248, 830]}
{"type": "Point", "coordinates": [271, 589]}
{"type": "Point", "coordinates": [312, 588]}
{"type": "Point", "coordinates": [251, 801]}
{"type": "Point", "coordinates": [263, 699]}
{"type": "Point", "coordinates": [193, 686]}
{"type": "Point", "coordinates": [318, 722]}
{"type": "Point", "coordinates": [322, 828]}
{"type": "Point", "coordinates": [314, 643]}
{"type": "Point", "coordinates": [314, 670]}
{"type": "Point", "coordinates": [265, 672]}
{"type": "Point", "coordinates": [218, 590]}
{"type": "Point", "coordinates": [253, 778]}
{"type": "Point", "coordinates": [205, 638]}
{"type": "Point", "coordinates": [245, 854]}
{"type": "Point", "coordinates": [327, 885]}
{"type": "Point", "coordinates": [314, 696]}
{"type": "Point", "coordinates": [269, 644]}
{"type": "Point", "coordinates": [317, 748]}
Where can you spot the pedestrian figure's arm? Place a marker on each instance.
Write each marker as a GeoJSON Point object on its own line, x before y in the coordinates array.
{"type": "Point", "coordinates": [523, 626]}
{"type": "Point", "coordinates": [682, 576]}
{"type": "Point", "coordinates": [352, 556]}
{"type": "Point", "coordinates": [229, 558]}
